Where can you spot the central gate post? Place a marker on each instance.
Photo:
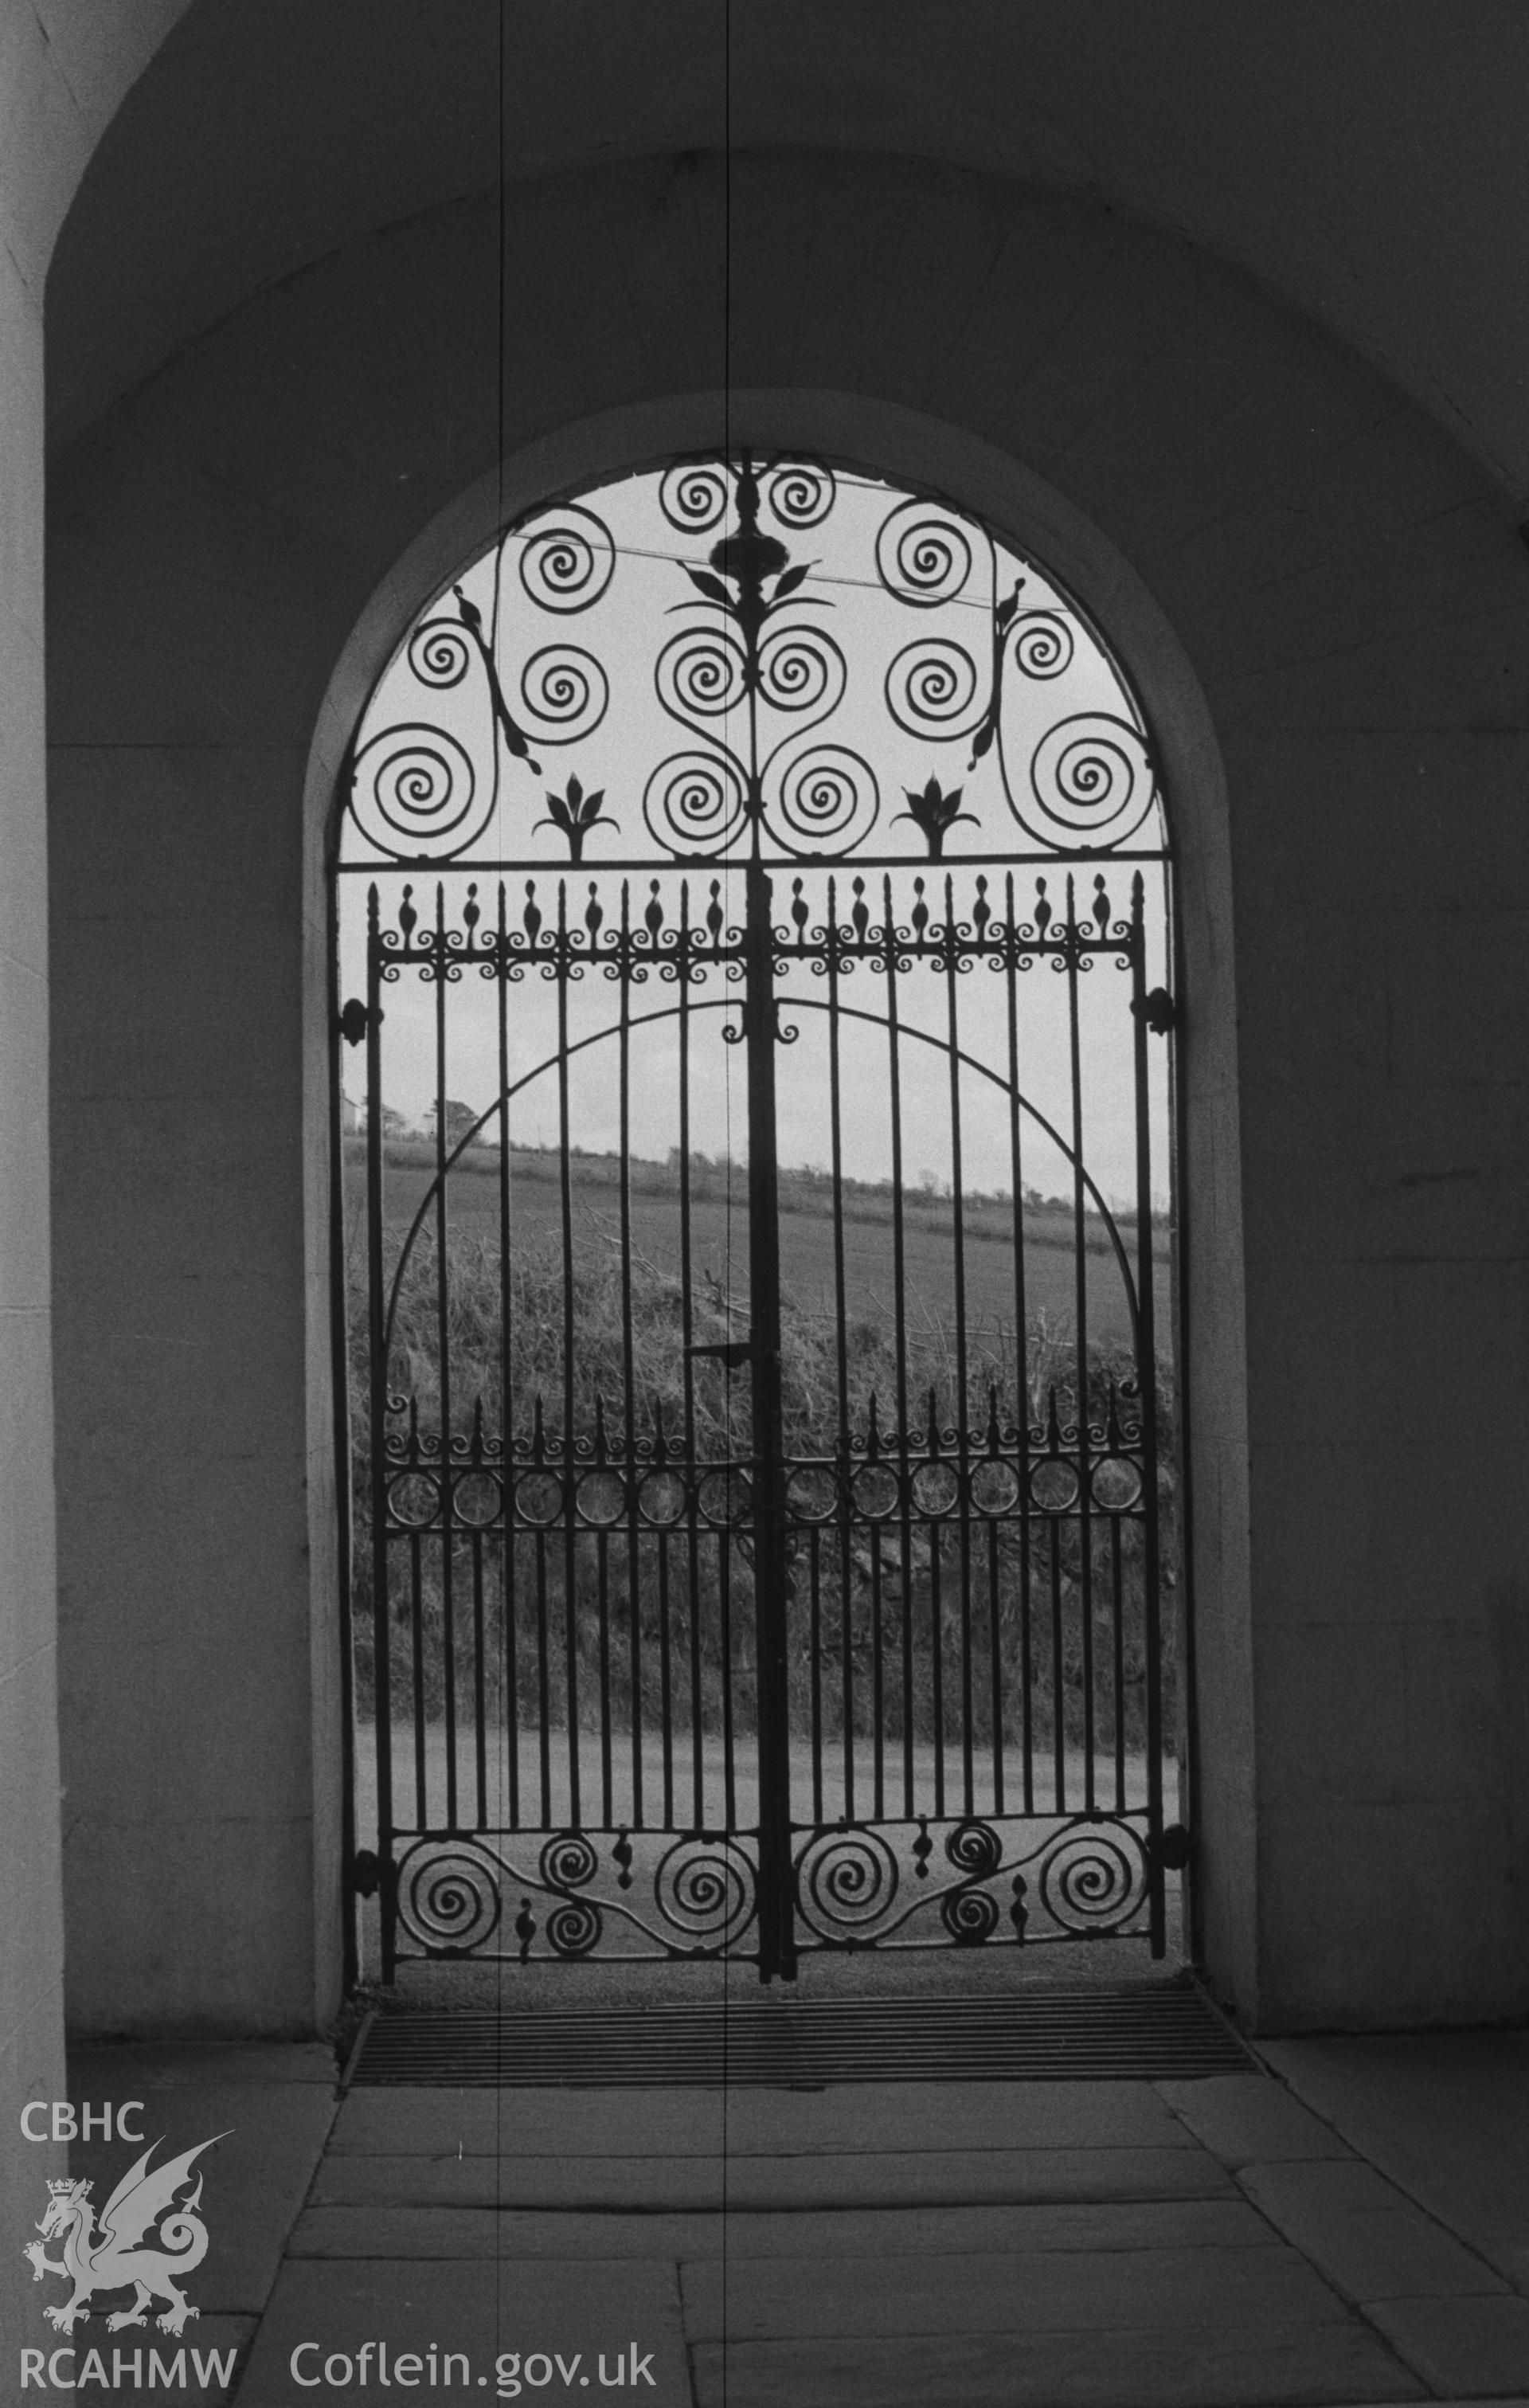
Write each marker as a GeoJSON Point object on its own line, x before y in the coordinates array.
{"type": "Point", "coordinates": [776, 1907]}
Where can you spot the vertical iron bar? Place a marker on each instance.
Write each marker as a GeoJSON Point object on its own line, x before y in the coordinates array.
{"type": "Point", "coordinates": [570, 1510]}
{"type": "Point", "coordinates": [687, 1337]}
{"type": "Point", "coordinates": [1146, 1383]}
{"type": "Point", "coordinates": [1085, 1522]}
{"type": "Point", "coordinates": [443, 1339]}
{"type": "Point", "coordinates": [507, 1392]}
{"type": "Point", "coordinates": [544, 1681]}
{"type": "Point", "coordinates": [958, 1241]}
{"type": "Point", "coordinates": [629, 1382]}
{"type": "Point", "coordinates": [841, 1359]}
{"type": "Point", "coordinates": [377, 1410]}
{"type": "Point", "coordinates": [1021, 1334]}
{"type": "Point", "coordinates": [815, 1651]}
{"type": "Point", "coordinates": [776, 1922]}
{"type": "Point", "coordinates": [899, 1322]}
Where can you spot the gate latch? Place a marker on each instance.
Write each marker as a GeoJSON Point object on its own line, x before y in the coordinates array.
{"type": "Point", "coordinates": [354, 1019]}
{"type": "Point", "coordinates": [367, 1872]}
{"type": "Point", "coordinates": [1173, 1848]}
{"type": "Point", "coordinates": [1159, 1010]}
{"type": "Point", "coordinates": [733, 1352]}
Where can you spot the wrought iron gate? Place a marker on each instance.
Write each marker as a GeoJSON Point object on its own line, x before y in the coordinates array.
{"type": "Point", "coordinates": [751, 1556]}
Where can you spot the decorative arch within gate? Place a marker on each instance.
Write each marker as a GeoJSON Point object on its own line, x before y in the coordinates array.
{"type": "Point", "coordinates": [763, 1456]}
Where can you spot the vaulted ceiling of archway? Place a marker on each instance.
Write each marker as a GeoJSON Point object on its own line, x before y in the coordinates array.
{"type": "Point", "coordinates": [1366, 162]}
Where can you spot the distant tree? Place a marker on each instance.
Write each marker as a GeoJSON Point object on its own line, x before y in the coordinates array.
{"type": "Point", "coordinates": [459, 1120]}
{"type": "Point", "coordinates": [394, 1123]}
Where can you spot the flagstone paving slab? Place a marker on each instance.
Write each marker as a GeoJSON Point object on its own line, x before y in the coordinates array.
{"type": "Point", "coordinates": [1445, 2116]}
{"type": "Point", "coordinates": [1365, 2236]}
{"type": "Point", "coordinates": [1201, 2367]}
{"type": "Point", "coordinates": [701, 2122]}
{"type": "Point", "coordinates": [1264, 2290]}
{"type": "Point", "coordinates": [742, 2184]}
{"type": "Point", "coordinates": [515, 2233]}
{"type": "Point", "coordinates": [523, 2309]}
{"type": "Point", "coordinates": [1461, 2345]}
{"type": "Point", "coordinates": [1240, 2118]}
{"type": "Point", "coordinates": [274, 2117]}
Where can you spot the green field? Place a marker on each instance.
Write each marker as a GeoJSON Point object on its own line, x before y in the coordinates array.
{"type": "Point", "coordinates": [720, 1240]}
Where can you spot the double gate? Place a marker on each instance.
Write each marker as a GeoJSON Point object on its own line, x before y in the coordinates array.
{"type": "Point", "coordinates": [762, 1457]}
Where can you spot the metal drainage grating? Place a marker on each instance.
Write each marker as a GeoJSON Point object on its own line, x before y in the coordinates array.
{"type": "Point", "coordinates": [1091, 2036]}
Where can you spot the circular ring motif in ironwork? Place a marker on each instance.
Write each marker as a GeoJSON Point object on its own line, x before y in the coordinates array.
{"type": "Point", "coordinates": [568, 1860]}
{"type": "Point", "coordinates": [574, 1928]}
{"type": "Point", "coordinates": [995, 1487]}
{"type": "Point", "coordinates": [1116, 1484]}
{"type": "Point", "coordinates": [1053, 1485]}
{"type": "Point", "coordinates": [414, 794]}
{"type": "Point", "coordinates": [1092, 778]}
{"type": "Point", "coordinates": [601, 1499]}
{"type": "Point", "coordinates": [568, 561]}
{"type": "Point", "coordinates": [538, 1498]}
{"type": "Point", "coordinates": [876, 1490]}
{"type": "Point", "coordinates": [695, 495]}
{"type": "Point", "coordinates": [564, 693]}
{"type": "Point", "coordinates": [413, 1499]}
{"type": "Point", "coordinates": [704, 1888]}
{"type": "Point", "coordinates": [1094, 1877]}
{"type": "Point", "coordinates": [802, 669]}
{"type": "Point", "coordinates": [846, 1881]}
{"type": "Point", "coordinates": [922, 555]}
{"type": "Point", "coordinates": [828, 801]}
{"type": "Point", "coordinates": [726, 1498]}
{"type": "Point", "coordinates": [441, 653]}
{"type": "Point", "coordinates": [449, 1897]}
{"type": "Point", "coordinates": [812, 1492]}
{"type": "Point", "coordinates": [937, 1488]}
{"type": "Point", "coordinates": [801, 494]}
{"type": "Point", "coordinates": [974, 1849]}
{"type": "Point", "coordinates": [694, 803]}
{"type": "Point", "coordinates": [475, 1499]}
{"type": "Point", "coordinates": [932, 688]}
{"type": "Point", "coordinates": [1043, 644]}
{"type": "Point", "coordinates": [662, 1497]}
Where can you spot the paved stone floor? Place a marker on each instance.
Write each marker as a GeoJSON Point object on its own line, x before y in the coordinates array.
{"type": "Point", "coordinates": [1356, 2228]}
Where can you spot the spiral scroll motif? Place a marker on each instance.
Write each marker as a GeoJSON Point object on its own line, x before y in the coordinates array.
{"type": "Point", "coordinates": [976, 1850]}
{"type": "Point", "coordinates": [922, 555]}
{"type": "Point", "coordinates": [567, 561]}
{"type": "Point", "coordinates": [1091, 780]}
{"type": "Point", "coordinates": [933, 689]}
{"type": "Point", "coordinates": [828, 802]}
{"type": "Point", "coordinates": [802, 669]}
{"type": "Point", "coordinates": [693, 496]}
{"type": "Point", "coordinates": [414, 794]}
{"type": "Point", "coordinates": [1043, 644]}
{"type": "Point", "coordinates": [441, 653]}
{"type": "Point", "coordinates": [574, 1928]}
{"type": "Point", "coordinates": [704, 1891]}
{"type": "Point", "coordinates": [700, 674]}
{"type": "Point", "coordinates": [969, 1915]}
{"type": "Point", "coordinates": [801, 494]}
{"type": "Point", "coordinates": [694, 803]}
{"type": "Point", "coordinates": [564, 694]}
{"type": "Point", "coordinates": [449, 1896]}
{"type": "Point", "coordinates": [1094, 1878]}
{"type": "Point", "coordinates": [569, 1861]}
{"type": "Point", "coordinates": [846, 1883]}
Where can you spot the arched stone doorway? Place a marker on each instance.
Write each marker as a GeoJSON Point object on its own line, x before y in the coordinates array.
{"type": "Point", "coordinates": [708, 1619]}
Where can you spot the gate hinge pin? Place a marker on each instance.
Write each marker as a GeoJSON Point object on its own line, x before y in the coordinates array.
{"type": "Point", "coordinates": [1159, 1010]}
{"type": "Point", "coordinates": [355, 1021]}
{"type": "Point", "coordinates": [367, 1872]}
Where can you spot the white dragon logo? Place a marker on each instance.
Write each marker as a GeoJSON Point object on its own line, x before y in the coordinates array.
{"type": "Point", "coordinates": [111, 2258]}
